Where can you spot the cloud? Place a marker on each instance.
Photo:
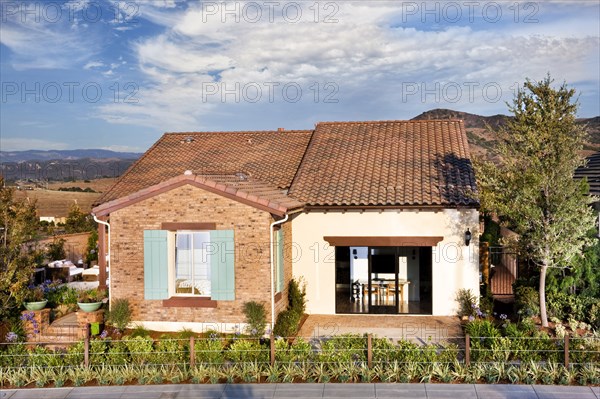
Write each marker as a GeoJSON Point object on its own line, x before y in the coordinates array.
{"type": "Point", "coordinates": [365, 50]}
{"type": "Point", "coordinates": [93, 64]}
{"type": "Point", "coordinates": [23, 144]}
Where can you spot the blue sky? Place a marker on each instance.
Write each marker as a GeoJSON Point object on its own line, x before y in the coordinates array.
{"type": "Point", "coordinates": [118, 74]}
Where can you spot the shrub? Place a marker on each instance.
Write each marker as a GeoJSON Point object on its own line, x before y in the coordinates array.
{"type": "Point", "coordinates": [467, 301]}
{"type": "Point", "coordinates": [256, 317]}
{"type": "Point", "coordinates": [210, 350]}
{"type": "Point", "coordinates": [297, 297]}
{"type": "Point", "coordinates": [119, 315]}
{"type": "Point", "coordinates": [527, 301]}
{"type": "Point", "coordinates": [140, 349]}
{"type": "Point", "coordinates": [344, 348]}
{"type": "Point", "coordinates": [244, 351]}
{"type": "Point", "coordinates": [286, 324]}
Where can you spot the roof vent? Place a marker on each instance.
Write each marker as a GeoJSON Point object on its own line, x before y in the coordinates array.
{"type": "Point", "coordinates": [188, 139]}
{"type": "Point", "coordinates": [280, 129]}
{"type": "Point", "coordinates": [188, 173]}
{"type": "Point", "coordinates": [242, 176]}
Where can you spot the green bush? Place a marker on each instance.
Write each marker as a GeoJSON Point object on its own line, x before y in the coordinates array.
{"type": "Point", "coordinates": [140, 349]}
{"type": "Point", "coordinates": [527, 301]}
{"type": "Point", "coordinates": [170, 351]}
{"type": "Point", "coordinates": [117, 354]}
{"type": "Point", "coordinates": [344, 348]}
{"type": "Point", "coordinates": [467, 302]}
{"type": "Point", "coordinates": [297, 297]}
{"type": "Point", "coordinates": [256, 317]}
{"type": "Point", "coordinates": [245, 351]}
{"type": "Point", "coordinates": [119, 315]}
{"type": "Point", "coordinates": [286, 324]}
{"type": "Point", "coordinates": [210, 350]}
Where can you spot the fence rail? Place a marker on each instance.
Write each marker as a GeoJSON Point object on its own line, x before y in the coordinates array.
{"type": "Point", "coordinates": [368, 349]}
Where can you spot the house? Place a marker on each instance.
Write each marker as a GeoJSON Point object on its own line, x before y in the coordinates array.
{"type": "Point", "coordinates": [375, 217]}
{"type": "Point", "coordinates": [591, 171]}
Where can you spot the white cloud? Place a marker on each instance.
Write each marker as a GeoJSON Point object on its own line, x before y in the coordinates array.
{"type": "Point", "coordinates": [23, 144]}
{"type": "Point", "coordinates": [123, 148]}
{"type": "Point", "coordinates": [93, 64]}
{"type": "Point", "coordinates": [366, 53]}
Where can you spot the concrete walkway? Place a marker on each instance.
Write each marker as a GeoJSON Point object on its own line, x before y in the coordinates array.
{"type": "Point", "coordinates": [300, 391]}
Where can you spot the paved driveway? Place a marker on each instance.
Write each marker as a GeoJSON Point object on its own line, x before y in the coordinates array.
{"type": "Point", "coordinates": [301, 391]}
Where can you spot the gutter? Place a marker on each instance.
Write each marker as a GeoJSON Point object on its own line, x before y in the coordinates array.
{"type": "Point", "coordinates": [286, 217]}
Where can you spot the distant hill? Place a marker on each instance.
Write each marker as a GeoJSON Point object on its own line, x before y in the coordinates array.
{"type": "Point", "coordinates": [64, 155]}
{"type": "Point", "coordinates": [482, 140]}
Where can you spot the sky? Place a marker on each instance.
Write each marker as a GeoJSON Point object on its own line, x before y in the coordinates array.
{"type": "Point", "coordinates": [118, 74]}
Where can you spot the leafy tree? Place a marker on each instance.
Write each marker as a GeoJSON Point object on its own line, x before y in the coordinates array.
{"type": "Point", "coordinates": [78, 222]}
{"type": "Point", "coordinates": [18, 227]}
{"type": "Point", "coordinates": [532, 188]}
{"type": "Point", "coordinates": [91, 251]}
{"type": "Point", "coordinates": [56, 249]}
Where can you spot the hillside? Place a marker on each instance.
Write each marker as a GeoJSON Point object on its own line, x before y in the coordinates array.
{"type": "Point", "coordinates": [65, 155]}
{"type": "Point", "coordinates": [482, 139]}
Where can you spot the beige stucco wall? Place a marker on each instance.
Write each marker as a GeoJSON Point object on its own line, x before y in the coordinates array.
{"type": "Point", "coordinates": [454, 265]}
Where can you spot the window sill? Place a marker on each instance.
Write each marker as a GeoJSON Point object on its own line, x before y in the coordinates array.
{"type": "Point", "coordinates": [189, 302]}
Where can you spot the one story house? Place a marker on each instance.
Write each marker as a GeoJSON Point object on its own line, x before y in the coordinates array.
{"type": "Point", "coordinates": [376, 217]}
{"type": "Point", "coordinates": [591, 172]}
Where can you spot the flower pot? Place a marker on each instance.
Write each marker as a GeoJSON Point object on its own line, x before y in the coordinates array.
{"type": "Point", "coordinates": [89, 307]}
{"type": "Point", "coordinates": [38, 305]}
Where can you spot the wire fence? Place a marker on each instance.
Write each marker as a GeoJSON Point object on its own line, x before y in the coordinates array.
{"type": "Point", "coordinates": [344, 349]}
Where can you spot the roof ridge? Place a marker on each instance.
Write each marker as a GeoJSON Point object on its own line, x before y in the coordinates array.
{"type": "Point", "coordinates": [235, 131]}
{"type": "Point", "coordinates": [388, 121]}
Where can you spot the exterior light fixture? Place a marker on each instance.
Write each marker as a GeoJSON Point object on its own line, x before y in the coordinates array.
{"type": "Point", "coordinates": [468, 237]}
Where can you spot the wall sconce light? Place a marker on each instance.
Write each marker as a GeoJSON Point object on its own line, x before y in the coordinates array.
{"type": "Point", "coordinates": [468, 237]}
{"type": "Point", "coordinates": [354, 252]}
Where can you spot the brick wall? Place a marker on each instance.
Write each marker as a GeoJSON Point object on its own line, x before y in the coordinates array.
{"type": "Point", "coordinates": [188, 204]}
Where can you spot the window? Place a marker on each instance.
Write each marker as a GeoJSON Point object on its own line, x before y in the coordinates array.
{"type": "Point", "coordinates": [192, 265]}
{"type": "Point", "coordinates": [189, 263]}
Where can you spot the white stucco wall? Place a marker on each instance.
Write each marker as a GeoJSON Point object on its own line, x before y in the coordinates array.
{"type": "Point", "coordinates": [454, 265]}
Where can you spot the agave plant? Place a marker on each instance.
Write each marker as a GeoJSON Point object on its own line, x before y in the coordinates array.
{"type": "Point", "coordinates": [321, 372]}
{"type": "Point", "coordinates": [273, 373]}
{"type": "Point", "coordinates": [41, 375]}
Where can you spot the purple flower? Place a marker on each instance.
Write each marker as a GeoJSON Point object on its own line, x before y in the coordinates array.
{"type": "Point", "coordinates": [471, 318]}
{"type": "Point", "coordinates": [503, 316]}
{"type": "Point", "coordinates": [11, 337]}
{"type": "Point", "coordinates": [104, 334]}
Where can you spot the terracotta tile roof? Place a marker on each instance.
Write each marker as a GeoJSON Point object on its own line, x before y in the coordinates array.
{"type": "Point", "coordinates": [592, 172]}
{"type": "Point", "coordinates": [272, 157]}
{"type": "Point", "coordinates": [239, 187]}
{"type": "Point", "coordinates": [387, 163]}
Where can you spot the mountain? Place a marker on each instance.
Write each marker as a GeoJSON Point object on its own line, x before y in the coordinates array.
{"type": "Point", "coordinates": [481, 130]}
{"type": "Point", "coordinates": [64, 155]}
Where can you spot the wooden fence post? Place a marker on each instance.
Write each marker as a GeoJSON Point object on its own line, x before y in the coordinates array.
{"type": "Point", "coordinates": [272, 345]}
{"type": "Point", "coordinates": [467, 350]}
{"type": "Point", "coordinates": [566, 350]}
{"type": "Point", "coordinates": [192, 351]}
{"type": "Point", "coordinates": [86, 346]}
{"type": "Point", "coordinates": [369, 350]}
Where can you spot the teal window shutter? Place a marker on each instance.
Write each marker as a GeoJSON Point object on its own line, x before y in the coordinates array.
{"type": "Point", "coordinates": [156, 264]}
{"type": "Point", "coordinates": [221, 254]}
{"type": "Point", "coordinates": [280, 265]}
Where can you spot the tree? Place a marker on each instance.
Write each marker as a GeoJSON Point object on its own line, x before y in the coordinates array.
{"type": "Point", "coordinates": [532, 188]}
{"type": "Point", "coordinates": [78, 222]}
{"type": "Point", "coordinates": [18, 227]}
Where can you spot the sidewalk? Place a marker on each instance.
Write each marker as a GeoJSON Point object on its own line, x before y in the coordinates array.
{"type": "Point", "coordinates": [301, 391]}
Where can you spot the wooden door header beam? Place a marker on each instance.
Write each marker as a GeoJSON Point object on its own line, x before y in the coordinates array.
{"type": "Point", "coordinates": [383, 241]}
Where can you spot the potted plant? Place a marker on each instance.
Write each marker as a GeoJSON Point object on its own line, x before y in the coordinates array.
{"type": "Point", "coordinates": [90, 300]}
{"type": "Point", "coordinates": [35, 298]}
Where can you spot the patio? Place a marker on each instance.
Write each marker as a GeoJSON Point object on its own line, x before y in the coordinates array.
{"type": "Point", "coordinates": [414, 328]}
